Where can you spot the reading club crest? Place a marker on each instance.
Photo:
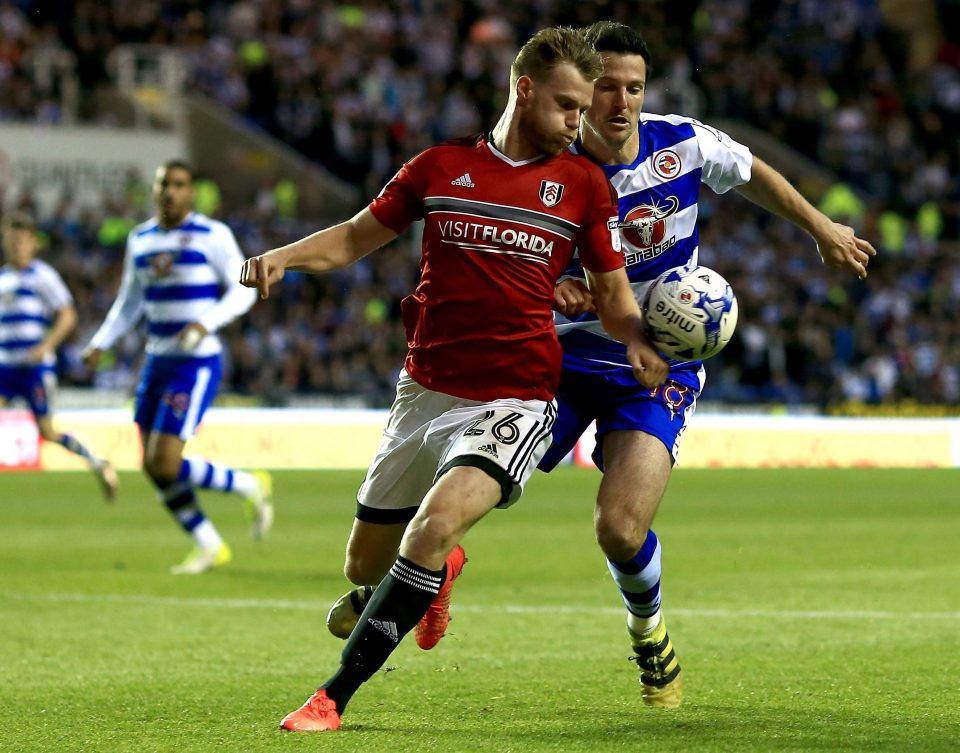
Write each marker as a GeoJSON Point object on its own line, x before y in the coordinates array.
{"type": "Point", "coordinates": [666, 164]}
{"type": "Point", "coordinates": [162, 263]}
{"type": "Point", "coordinates": [550, 192]}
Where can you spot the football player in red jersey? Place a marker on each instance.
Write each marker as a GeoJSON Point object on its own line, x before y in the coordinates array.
{"type": "Point", "coordinates": [503, 213]}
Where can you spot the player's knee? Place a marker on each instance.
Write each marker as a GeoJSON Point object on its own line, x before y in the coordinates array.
{"type": "Point", "coordinates": [161, 469]}
{"type": "Point", "coordinates": [439, 528]}
{"type": "Point", "coordinates": [620, 540]}
{"type": "Point", "coordinates": [365, 571]}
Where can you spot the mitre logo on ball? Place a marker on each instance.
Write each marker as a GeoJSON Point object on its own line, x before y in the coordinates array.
{"type": "Point", "coordinates": [691, 313]}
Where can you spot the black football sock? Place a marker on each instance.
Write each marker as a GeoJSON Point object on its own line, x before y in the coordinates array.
{"type": "Point", "coordinates": [395, 608]}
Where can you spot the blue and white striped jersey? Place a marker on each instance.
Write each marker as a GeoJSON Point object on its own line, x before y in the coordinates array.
{"type": "Point", "coordinates": [658, 194]}
{"type": "Point", "coordinates": [29, 301]}
{"type": "Point", "coordinates": [190, 273]}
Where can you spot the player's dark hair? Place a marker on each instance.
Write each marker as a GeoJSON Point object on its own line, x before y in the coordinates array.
{"type": "Point", "coordinates": [549, 48]}
{"type": "Point", "coordinates": [180, 164]}
{"type": "Point", "coordinates": [19, 221]}
{"type": "Point", "coordinates": [620, 39]}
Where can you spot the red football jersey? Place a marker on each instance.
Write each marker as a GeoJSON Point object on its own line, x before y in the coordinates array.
{"type": "Point", "coordinates": [497, 235]}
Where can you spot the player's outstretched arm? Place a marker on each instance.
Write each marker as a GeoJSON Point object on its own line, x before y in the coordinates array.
{"type": "Point", "coordinates": [621, 317]}
{"type": "Point", "coordinates": [838, 244]}
{"type": "Point", "coordinates": [329, 249]}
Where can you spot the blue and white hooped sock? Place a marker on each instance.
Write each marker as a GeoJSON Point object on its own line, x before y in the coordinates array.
{"type": "Point", "coordinates": [74, 445]}
{"type": "Point", "coordinates": [206, 475]}
{"type": "Point", "coordinates": [639, 582]}
{"type": "Point", "coordinates": [180, 499]}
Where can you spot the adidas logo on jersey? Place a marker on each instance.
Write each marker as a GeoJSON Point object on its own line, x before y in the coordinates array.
{"type": "Point", "coordinates": [389, 629]}
{"type": "Point", "coordinates": [463, 181]}
{"type": "Point", "coordinates": [490, 449]}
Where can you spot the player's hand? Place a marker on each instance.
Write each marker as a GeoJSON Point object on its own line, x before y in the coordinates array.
{"type": "Point", "coordinates": [572, 298]}
{"type": "Point", "coordinates": [261, 272]}
{"type": "Point", "coordinates": [648, 367]}
{"type": "Point", "coordinates": [191, 335]}
{"type": "Point", "coordinates": [37, 353]}
{"type": "Point", "coordinates": [840, 247]}
{"type": "Point", "coordinates": [91, 358]}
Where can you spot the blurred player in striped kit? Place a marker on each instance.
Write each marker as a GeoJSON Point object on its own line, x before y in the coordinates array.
{"type": "Point", "coordinates": [656, 164]}
{"type": "Point", "coordinates": [36, 315]}
{"type": "Point", "coordinates": [181, 273]}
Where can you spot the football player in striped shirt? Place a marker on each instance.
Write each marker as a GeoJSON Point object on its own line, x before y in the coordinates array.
{"type": "Point", "coordinates": [36, 315]}
{"type": "Point", "coordinates": [656, 164]}
{"type": "Point", "coordinates": [502, 213]}
{"type": "Point", "coordinates": [181, 273]}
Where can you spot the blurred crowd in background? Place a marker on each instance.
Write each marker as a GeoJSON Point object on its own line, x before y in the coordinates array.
{"type": "Point", "coordinates": [869, 90]}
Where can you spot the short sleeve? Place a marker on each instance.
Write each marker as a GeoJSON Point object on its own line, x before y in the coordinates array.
{"type": "Point", "coordinates": [726, 163]}
{"type": "Point", "coordinates": [598, 240]}
{"type": "Point", "coordinates": [400, 203]}
{"type": "Point", "coordinates": [53, 290]}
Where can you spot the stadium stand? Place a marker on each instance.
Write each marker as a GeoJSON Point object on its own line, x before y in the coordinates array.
{"type": "Point", "coordinates": [871, 93]}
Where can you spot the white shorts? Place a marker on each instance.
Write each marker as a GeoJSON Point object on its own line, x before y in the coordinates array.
{"type": "Point", "coordinates": [428, 433]}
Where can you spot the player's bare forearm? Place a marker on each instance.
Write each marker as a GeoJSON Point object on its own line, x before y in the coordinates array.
{"type": "Point", "coordinates": [621, 318]}
{"type": "Point", "coordinates": [769, 189]}
{"type": "Point", "coordinates": [323, 251]}
{"type": "Point", "coordinates": [63, 325]}
{"type": "Point", "coordinates": [837, 244]}
{"type": "Point", "coordinates": [337, 246]}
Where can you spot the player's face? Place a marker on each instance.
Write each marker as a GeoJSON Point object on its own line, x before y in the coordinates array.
{"type": "Point", "coordinates": [553, 106]}
{"type": "Point", "coordinates": [20, 246]}
{"type": "Point", "coordinates": [173, 195]}
{"type": "Point", "coordinates": [617, 99]}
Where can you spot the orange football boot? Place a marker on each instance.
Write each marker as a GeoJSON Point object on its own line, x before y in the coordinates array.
{"type": "Point", "coordinates": [433, 624]}
{"type": "Point", "coordinates": [318, 714]}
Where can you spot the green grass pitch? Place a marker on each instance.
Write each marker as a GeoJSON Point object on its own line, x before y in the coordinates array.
{"type": "Point", "coordinates": [811, 611]}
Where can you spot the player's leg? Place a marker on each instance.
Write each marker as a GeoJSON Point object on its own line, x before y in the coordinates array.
{"type": "Point", "coordinates": [371, 551]}
{"type": "Point", "coordinates": [8, 385]}
{"type": "Point", "coordinates": [162, 455]}
{"type": "Point", "coordinates": [171, 400]}
{"type": "Point", "coordinates": [486, 454]}
{"type": "Point", "coordinates": [459, 499]}
{"type": "Point", "coordinates": [194, 384]}
{"type": "Point", "coordinates": [255, 487]}
{"type": "Point", "coordinates": [39, 395]}
{"type": "Point", "coordinates": [506, 439]}
{"type": "Point", "coordinates": [636, 470]}
{"type": "Point", "coordinates": [399, 476]}
{"type": "Point", "coordinates": [635, 433]}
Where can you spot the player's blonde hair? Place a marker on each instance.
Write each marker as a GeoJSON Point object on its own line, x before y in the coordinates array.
{"type": "Point", "coordinates": [551, 47]}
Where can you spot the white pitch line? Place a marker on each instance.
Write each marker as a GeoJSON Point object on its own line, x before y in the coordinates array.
{"type": "Point", "coordinates": [293, 604]}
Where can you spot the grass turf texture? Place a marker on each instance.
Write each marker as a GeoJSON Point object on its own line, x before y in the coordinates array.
{"type": "Point", "coordinates": [811, 611]}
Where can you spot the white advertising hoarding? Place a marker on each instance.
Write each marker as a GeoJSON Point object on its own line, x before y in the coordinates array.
{"type": "Point", "coordinates": [88, 162]}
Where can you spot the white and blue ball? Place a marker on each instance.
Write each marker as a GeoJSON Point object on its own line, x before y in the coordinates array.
{"type": "Point", "coordinates": [691, 313]}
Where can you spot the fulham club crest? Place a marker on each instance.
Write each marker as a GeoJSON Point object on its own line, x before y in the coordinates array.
{"type": "Point", "coordinates": [550, 192]}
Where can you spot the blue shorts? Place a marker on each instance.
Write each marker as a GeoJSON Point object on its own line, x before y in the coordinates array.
{"type": "Point", "coordinates": [175, 392]}
{"type": "Point", "coordinates": [663, 412]}
{"type": "Point", "coordinates": [34, 383]}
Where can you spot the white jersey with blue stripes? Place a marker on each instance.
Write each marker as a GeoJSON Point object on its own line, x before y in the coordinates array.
{"type": "Point", "coordinates": [658, 194]}
{"type": "Point", "coordinates": [176, 276]}
{"type": "Point", "coordinates": [30, 299]}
